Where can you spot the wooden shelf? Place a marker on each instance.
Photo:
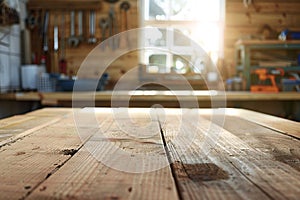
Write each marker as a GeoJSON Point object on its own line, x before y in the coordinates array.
{"type": "Point", "coordinates": [266, 42]}
{"type": "Point", "coordinates": [244, 50]}
{"type": "Point", "coordinates": [64, 4]}
{"type": "Point", "coordinates": [286, 69]}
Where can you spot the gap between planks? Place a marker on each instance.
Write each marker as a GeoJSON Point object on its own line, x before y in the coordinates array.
{"type": "Point", "coordinates": [173, 171]}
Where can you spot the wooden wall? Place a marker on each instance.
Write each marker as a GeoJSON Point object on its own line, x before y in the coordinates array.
{"type": "Point", "coordinates": [75, 55]}
{"type": "Point", "coordinates": [243, 22]}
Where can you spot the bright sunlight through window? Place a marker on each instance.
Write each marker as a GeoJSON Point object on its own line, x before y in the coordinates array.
{"type": "Point", "coordinates": [201, 20]}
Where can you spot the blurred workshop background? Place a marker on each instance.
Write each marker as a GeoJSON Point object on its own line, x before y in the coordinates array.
{"type": "Point", "coordinates": [251, 50]}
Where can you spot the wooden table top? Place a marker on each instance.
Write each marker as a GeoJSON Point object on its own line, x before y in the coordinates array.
{"type": "Point", "coordinates": [138, 153]}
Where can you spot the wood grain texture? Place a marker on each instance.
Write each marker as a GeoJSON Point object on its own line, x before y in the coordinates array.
{"type": "Point", "coordinates": [189, 148]}
{"type": "Point", "coordinates": [125, 153]}
{"type": "Point", "coordinates": [282, 147]}
{"type": "Point", "coordinates": [278, 124]}
{"type": "Point", "coordinates": [30, 159]}
{"type": "Point", "coordinates": [223, 149]}
{"type": "Point", "coordinates": [96, 178]}
{"type": "Point", "coordinates": [16, 127]}
{"type": "Point", "coordinates": [93, 180]}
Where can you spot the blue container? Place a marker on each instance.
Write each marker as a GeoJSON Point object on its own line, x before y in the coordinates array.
{"type": "Point", "coordinates": [289, 85]}
{"type": "Point", "coordinates": [289, 35]}
{"type": "Point", "coordinates": [83, 84]}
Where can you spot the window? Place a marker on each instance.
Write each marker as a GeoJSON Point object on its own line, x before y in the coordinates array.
{"type": "Point", "coordinates": [200, 20]}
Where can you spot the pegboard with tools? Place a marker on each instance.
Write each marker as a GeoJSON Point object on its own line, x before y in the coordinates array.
{"type": "Point", "coordinates": [59, 29]}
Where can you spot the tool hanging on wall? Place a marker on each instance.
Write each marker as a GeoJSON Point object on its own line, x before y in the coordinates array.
{"type": "Point", "coordinates": [35, 54]}
{"type": "Point", "coordinates": [32, 20]}
{"type": "Point", "coordinates": [124, 7]}
{"type": "Point", "coordinates": [62, 62]}
{"type": "Point", "coordinates": [55, 45]}
{"type": "Point", "coordinates": [45, 32]}
{"type": "Point", "coordinates": [73, 40]}
{"type": "Point", "coordinates": [25, 35]}
{"type": "Point", "coordinates": [113, 26]}
{"type": "Point", "coordinates": [80, 25]}
{"type": "Point", "coordinates": [247, 3]}
{"type": "Point", "coordinates": [45, 58]}
{"type": "Point", "coordinates": [40, 24]}
{"type": "Point", "coordinates": [104, 26]}
{"type": "Point", "coordinates": [92, 23]}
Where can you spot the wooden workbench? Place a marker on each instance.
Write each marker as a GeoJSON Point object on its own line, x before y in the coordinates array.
{"type": "Point", "coordinates": [58, 153]}
{"type": "Point", "coordinates": [283, 104]}
{"type": "Point", "coordinates": [147, 97]}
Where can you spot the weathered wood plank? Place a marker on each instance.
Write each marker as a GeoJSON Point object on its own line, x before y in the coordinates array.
{"type": "Point", "coordinates": [282, 147]}
{"type": "Point", "coordinates": [92, 180]}
{"type": "Point", "coordinates": [20, 130]}
{"type": "Point", "coordinates": [84, 177]}
{"type": "Point", "coordinates": [201, 170]}
{"type": "Point", "coordinates": [215, 146]}
{"type": "Point", "coordinates": [247, 160]}
{"type": "Point", "coordinates": [18, 126]}
{"type": "Point", "coordinates": [13, 120]}
{"type": "Point", "coordinates": [51, 112]}
{"type": "Point", "coordinates": [30, 116]}
{"type": "Point", "coordinates": [27, 162]}
{"type": "Point", "coordinates": [285, 126]}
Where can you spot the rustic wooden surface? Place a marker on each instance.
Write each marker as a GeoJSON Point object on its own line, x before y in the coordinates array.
{"type": "Point", "coordinates": [248, 156]}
